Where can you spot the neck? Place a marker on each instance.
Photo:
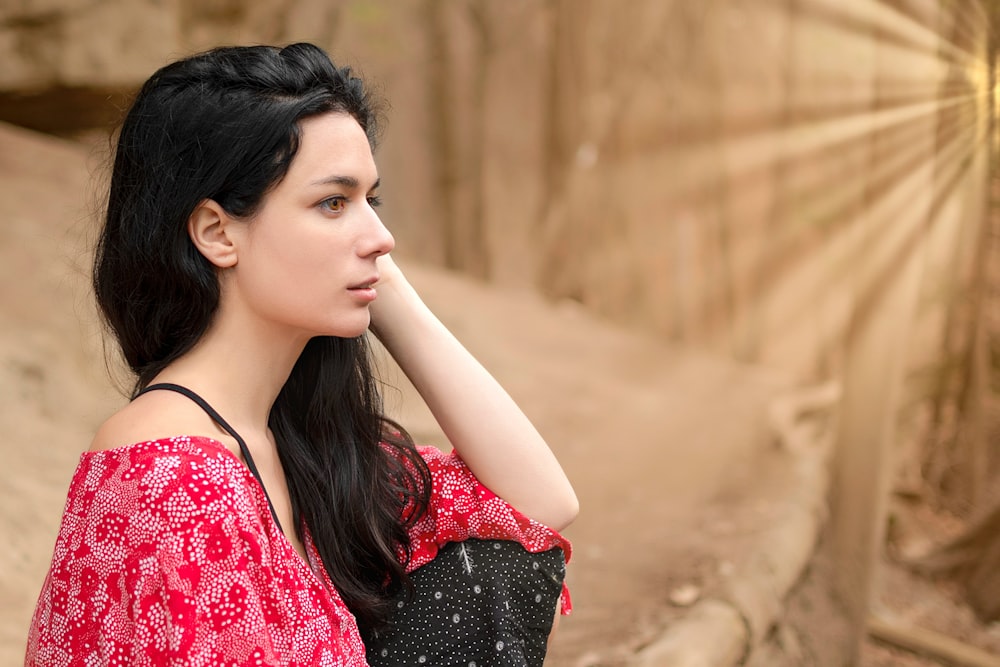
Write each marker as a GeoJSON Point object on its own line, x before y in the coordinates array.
{"type": "Point", "coordinates": [239, 369]}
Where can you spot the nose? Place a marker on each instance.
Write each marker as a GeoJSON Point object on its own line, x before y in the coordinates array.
{"type": "Point", "coordinates": [378, 239]}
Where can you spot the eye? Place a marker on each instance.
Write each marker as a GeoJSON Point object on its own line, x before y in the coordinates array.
{"type": "Point", "coordinates": [374, 201]}
{"type": "Point", "coordinates": [333, 204]}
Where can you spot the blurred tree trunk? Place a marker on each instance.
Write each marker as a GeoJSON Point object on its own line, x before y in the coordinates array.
{"type": "Point", "coordinates": [554, 276]}
{"type": "Point", "coordinates": [441, 121]}
{"type": "Point", "coordinates": [457, 128]}
{"type": "Point", "coordinates": [477, 258]}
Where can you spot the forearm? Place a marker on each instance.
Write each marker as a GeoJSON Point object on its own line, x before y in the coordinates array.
{"type": "Point", "coordinates": [479, 418]}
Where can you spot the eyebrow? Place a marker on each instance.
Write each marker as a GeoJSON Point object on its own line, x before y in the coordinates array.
{"type": "Point", "coordinates": [346, 181]}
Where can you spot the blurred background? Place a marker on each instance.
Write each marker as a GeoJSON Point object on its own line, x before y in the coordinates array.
{"type": "Point", "coordinates": [805, 187]}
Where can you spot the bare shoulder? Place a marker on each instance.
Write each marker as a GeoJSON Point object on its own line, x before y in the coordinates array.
{"type": "Point", "coordinates": [154, 416]}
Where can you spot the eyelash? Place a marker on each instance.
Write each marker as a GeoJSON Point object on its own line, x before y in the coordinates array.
{"type": "Point", "coordinates": [373, 200]}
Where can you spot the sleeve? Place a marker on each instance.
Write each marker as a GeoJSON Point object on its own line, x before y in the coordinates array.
{"type": "Point", "coordinates": [153, 566]}
{"type": "Point", "coordinates": [461, 507]}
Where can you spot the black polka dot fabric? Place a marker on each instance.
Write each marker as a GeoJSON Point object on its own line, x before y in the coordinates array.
{"type": "Point", "coordinates": [479, 603]}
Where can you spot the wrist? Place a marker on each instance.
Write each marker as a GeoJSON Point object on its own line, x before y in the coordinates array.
{"type": "Point", "coordinates": [397, 302]}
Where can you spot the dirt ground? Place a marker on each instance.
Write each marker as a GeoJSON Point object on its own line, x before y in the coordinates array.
{"type": "Point", "coordinates": [668, 448]}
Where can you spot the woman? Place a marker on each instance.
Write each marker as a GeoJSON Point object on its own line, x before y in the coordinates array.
{"type": "Point", "coordinates": [251, 504]}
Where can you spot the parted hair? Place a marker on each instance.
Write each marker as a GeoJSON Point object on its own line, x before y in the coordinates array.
{"type": "Point", "coordinates": [224, 125]}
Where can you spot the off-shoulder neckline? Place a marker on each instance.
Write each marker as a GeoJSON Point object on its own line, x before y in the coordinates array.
{"type": "Point", "coordinates": [214, 443]}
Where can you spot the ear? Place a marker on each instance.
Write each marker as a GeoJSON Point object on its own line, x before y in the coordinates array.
{"type": "Point", "coordinates": [211, 230]}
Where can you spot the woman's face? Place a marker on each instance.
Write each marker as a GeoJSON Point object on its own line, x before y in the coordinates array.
{"type": "Point", "coordinates": [306, 261]}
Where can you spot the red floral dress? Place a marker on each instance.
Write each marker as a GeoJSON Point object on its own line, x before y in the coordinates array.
{"type": "Point", "coordinates": [168, 555]}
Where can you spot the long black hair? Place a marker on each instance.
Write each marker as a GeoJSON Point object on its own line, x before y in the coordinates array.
{"type": "Point", "coordinates": [224, 125]}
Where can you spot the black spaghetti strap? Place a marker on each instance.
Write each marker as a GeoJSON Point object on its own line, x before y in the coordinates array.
{"type": "Point", "coordinates": [203, 404]}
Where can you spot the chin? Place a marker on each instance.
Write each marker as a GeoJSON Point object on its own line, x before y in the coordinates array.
{"type": "Point", "coordinates": [352, 330]}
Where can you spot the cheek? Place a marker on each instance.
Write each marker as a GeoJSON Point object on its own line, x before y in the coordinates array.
{"type": "Point", "coordinates": [290, 257]}
{"type": "Point", "coordinates": [300, 277]}
{"type": "Point", "coordinates": [276, 276]}
{"type": "Point", "coordinates": [295, 264]}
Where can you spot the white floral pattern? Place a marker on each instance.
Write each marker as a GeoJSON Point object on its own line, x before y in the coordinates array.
{"type": "Point", "coordinates": [168, 555]}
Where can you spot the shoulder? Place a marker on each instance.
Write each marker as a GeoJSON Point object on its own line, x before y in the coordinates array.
{"type": "Point", "coordinates": [158, 415]}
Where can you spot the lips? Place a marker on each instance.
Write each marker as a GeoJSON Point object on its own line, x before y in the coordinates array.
{"type": "Point", "coordinates": [368, 284]}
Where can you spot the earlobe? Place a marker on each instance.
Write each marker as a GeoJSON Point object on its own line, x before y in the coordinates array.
{"type": "Point", "coordinates": [210, 229]}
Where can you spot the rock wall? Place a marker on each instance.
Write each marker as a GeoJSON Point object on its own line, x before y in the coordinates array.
{"type": "Point", "coordinates": [94, 43]}
{"type": "Point", "coordinates": [70, 65]}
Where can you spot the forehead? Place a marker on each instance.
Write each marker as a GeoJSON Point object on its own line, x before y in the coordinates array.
{"type": "Point", "coordinates": [331, 145]}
